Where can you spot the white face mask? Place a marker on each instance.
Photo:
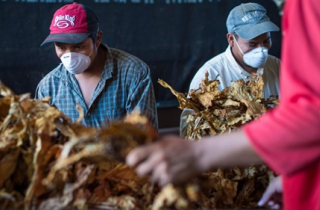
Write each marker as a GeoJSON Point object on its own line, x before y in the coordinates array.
{"type": "Point", "coordinates": [75, 63]}
{"type": "Point", "coordinates": [256, 57]}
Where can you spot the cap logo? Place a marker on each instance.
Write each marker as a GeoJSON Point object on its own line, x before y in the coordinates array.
{"type": "Point", "coordinates": [63, 21]}
{"type": "Point", "coordinates": [252, 16]}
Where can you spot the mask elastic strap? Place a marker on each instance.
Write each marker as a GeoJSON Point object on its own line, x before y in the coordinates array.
{"type": "Point", "coordinates": [237, 44]}
{"type": "Point", "coordinates": [81, 53]}
{"type": "Point", "coordinates": [91, 52]}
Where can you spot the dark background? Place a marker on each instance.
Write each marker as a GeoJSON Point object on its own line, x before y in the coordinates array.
{"type": "Point", "coordinates": [174, 37]}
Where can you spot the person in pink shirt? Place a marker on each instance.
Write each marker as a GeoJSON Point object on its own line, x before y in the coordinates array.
{"type": "Point", "coordinates": [286, 138]}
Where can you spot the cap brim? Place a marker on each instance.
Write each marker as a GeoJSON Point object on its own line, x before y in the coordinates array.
{"type": "Point", "coordinates": [70, 38]}
{"type": "Point", "coordinates": [252, 31]}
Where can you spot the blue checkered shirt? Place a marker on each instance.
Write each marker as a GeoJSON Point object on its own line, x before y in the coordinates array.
{"type": "Point", "coordinates": [125, 84]}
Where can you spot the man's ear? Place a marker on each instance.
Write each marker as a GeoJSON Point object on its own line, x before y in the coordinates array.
{"type": "Point", "coordinates": [230, 39]}
{"type": "Point", "coordinates": [99, 38]}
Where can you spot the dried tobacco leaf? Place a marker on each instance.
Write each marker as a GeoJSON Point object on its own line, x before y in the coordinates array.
{"type": "Point", "coordinates": [8, 164]}
{"type": "Point", "coordinates": [219, 112]}
{"type": "Point", "coordinates": [170, 197]}
{"type": "Point", "coordinates": [47, 161]}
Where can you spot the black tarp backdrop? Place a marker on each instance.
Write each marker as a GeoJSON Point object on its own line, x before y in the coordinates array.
{"type": "Point", "coordinates": [174, 37]}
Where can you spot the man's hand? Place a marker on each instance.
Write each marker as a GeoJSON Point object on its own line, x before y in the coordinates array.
{"type": "Point", "coordinates": [170, 160]}
{"type": "Point", "coordinates": [175, 160]}
{"type": "Point", "coordinates": [273, 194]}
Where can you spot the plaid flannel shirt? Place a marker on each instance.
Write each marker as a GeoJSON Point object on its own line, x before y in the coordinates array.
{"type": "Point", "coordinates": [125, 85]}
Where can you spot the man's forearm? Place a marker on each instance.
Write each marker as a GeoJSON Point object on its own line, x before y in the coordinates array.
{"type": "Point", "coordinates": [225, 151]}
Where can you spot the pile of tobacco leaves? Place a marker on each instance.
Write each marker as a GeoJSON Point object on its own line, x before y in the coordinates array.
{"type": "Point", "coordinates": [215, 112]}
{"type": "Point", "coordinates": [49, 162]}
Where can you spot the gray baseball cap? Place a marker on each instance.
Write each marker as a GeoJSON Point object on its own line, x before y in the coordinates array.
{"type": "Point", "coordinates": [249, 21]}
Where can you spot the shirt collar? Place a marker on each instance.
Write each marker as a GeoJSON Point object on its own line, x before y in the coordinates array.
{"type": "Point", "coordinates": [108, 66]}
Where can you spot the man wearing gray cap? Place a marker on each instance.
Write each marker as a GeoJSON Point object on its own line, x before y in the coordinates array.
{"type": "Point", "coordinates": [249, 40]}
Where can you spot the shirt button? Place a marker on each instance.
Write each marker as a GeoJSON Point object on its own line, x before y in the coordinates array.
{"type": "Point", "coordinates": [88, 114]}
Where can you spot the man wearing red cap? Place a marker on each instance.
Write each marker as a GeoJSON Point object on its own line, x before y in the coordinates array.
{"type": "Point", "coordinates": [107, 83]}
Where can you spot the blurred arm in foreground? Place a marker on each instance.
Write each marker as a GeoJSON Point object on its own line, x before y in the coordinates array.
{"type": "Point", "coordinates": [174, 160]}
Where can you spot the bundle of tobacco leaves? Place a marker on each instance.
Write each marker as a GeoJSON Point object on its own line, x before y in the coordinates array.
{"type": "Point", "coordinates": [48, 162]}
{"type": "Point", "coordinates": [215, 112]}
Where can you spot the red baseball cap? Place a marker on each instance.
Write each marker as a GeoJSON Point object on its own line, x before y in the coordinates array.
{"type": "Point", "coordinates": [72, 24]}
